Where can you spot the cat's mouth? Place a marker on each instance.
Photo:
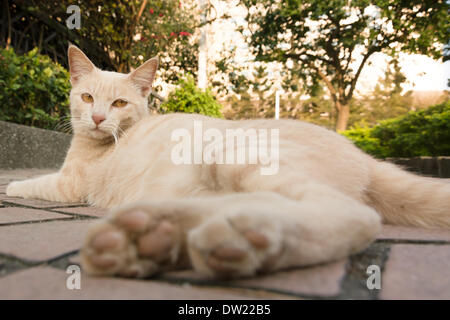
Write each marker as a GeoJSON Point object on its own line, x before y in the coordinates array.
{"type": "Point", "coordinates": [99, 132]}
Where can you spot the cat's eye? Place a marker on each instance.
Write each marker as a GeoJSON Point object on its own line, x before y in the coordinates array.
{"type": "Point", "coordinates": [87, 98]}
{"type": "Point", "coordinates": [119, 103]}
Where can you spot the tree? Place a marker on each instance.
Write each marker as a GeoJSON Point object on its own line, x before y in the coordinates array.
{"type": "Point", "coordinates": [387, 101]}
{"type": "Point", "coordinates": [323, 39]}
{"type": "Point", "coordinates": [120, 35]}
{"type": "Point", "coordinates": [251, 88]}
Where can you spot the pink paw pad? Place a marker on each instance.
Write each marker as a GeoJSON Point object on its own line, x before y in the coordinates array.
{"type": "Point", "coordinates": [157, 243]}
{"type": "Point", "coordinates": [257, 239]}
{"type": "Point", "coordinates": [108, 240]}
{"type": "Point", "coordinates": [135, 221]}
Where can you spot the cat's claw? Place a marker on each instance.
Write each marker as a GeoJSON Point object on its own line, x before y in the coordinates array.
{"type": "Point", "coordinates": [133, 242]}
{"type": "Point", "coordinates": [236, 245]}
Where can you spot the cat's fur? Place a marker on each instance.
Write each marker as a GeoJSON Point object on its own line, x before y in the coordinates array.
{"type": "Point", "coordinates": [327, 200]}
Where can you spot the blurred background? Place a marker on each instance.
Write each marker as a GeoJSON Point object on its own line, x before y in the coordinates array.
{"type": "Point", "coordinates": [376, 71]}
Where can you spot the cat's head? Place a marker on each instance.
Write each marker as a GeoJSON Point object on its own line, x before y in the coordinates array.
{"type": "Point", "coordinates": [103, 103]}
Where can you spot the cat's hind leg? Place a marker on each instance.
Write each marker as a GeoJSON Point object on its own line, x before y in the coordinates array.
{"type": "Point", "coordinates": [231, 235]}
{"type": "Point", "coordinates": [264, 231]}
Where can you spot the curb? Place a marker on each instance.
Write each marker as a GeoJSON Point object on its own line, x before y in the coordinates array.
{"type": "Point", "coordinates": [438, 167]}
{"type": "Point", "coordinates": [27, 147]}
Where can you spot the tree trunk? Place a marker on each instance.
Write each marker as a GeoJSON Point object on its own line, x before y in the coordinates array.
{"type": "Point", "coordinates": [343, 115]}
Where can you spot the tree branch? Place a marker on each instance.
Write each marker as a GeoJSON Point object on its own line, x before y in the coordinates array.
{"type": "Point", "coordinates": [70, 35]}
{"type": "Point", "coordinates": [328, 83]}
{"type": "Point", "coordinates": [141, 10]}
{"type": "Point", "coordinates": [358, 72]}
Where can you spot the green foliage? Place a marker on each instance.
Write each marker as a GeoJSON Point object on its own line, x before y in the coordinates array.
{"type": "Point", "coordinates": [33, 89]}
{"type": "Point", "coordinates": [323, 39]}
{"type": "Point", "coordinates": [114, 34]}
{"type": "Point", "coordinates": [362, 138]}
{"type": "Point", "coordinates": [188, 98]}
{"type": "Point", "coordinates": [421, 133]}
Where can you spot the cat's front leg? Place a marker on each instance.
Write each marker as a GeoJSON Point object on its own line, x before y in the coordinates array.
{"type": "Point", "coordinates": [51, 187]}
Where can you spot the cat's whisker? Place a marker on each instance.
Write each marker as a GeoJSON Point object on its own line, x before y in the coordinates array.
{"type": "Point", "coordinates": [65, 123]}
{"type": "Point", "coordinates": [63, 127]}
{"type": "Point", "coordinates": [112, 129]}
{"type": "Point", "coordinates": [115, 139]}
{"type": "Point", "coordinates": [123, 132]}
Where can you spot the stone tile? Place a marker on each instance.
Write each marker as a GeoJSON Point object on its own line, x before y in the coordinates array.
{"type": "Point", "coordinates": [16, 214]}
{"type": "Point", "coordinates": [417, 272]}
{"type": "Point", "coordinates": [323, 280]}
{"type": "Point", "coordinates": [35, 203]}
{"type": "Point", "coordinates": [3, 188]}
{"type": "Point", "coordinates": [90, 211]}
{"type": "Point", "coordinates": [408, 233]}
{"type": "Point", "coordinates": [42, 241]}
{"type": "Point", "coordinates": [48, 283]}
{"type": "Point", "coordinates": [191, 274]}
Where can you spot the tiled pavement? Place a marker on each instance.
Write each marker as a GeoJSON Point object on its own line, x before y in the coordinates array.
{"type": "Point", "coordinates": [40, 239]}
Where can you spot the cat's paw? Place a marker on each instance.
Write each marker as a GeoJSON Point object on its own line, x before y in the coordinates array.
{"type": "Point", "coordinates": [16, 189]}
{"type": "Point", "coordinates": [134, 242]}
{"type": "Point", "coordinates": [236, 245]}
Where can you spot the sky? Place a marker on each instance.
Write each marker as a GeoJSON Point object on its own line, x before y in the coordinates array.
{"type": "Point", "coordinates": [422, 72]}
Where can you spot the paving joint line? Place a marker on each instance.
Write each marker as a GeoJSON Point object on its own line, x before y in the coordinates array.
{"type": "Point", "coordinates": [51, 209]}
{"type": "Point", "coordinates": [13, 261]}
{"type": "Point", "coordinates": [36, 221]}
{"type": "Point", "coordinates": [21, 205]}
{"type": "Point", "coordinates": [413, 241]}
{"type": "Point", "coordinates": [80, 216]}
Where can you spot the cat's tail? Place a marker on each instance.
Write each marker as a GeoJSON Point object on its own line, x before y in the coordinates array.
{"type": "Point", "coordinates": [403, 198]}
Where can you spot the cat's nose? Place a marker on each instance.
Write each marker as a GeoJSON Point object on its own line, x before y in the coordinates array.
{"type": "Point", "coordinates": [98, 118]}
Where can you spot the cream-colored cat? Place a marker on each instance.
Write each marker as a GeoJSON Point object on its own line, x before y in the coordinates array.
{"type": "Point", "coordinates": [326, 200]}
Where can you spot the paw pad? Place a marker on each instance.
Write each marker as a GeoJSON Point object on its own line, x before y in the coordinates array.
{"type": "Point", "coordinates": [157, 243]}
{"type": "Point", "coordinates": [134, 221]}
{"type": "Point", "coordinates": [257, 239]}
{"type": "Point", "coordinates": [108, 240]}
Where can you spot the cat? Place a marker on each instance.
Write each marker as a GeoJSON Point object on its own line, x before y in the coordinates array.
{"type": "Point", "coordinates": [325, 200]}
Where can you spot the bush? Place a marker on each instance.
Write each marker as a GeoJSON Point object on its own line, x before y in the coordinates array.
{"type": "Point", "coordinates": [188, 98]}
{"type": "Point", "coordinates": [33, 89]}
{"type": "Point", "coordinates": [420, 133]}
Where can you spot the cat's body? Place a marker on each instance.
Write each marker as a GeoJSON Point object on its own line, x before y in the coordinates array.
{"type": "Point", "coordinates": [325, 200]}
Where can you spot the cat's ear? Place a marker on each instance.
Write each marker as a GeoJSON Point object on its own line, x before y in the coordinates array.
{"type": "Point", "coordinates": [143, 76]}
{"type": "Point", "coordinates": [79, 64]}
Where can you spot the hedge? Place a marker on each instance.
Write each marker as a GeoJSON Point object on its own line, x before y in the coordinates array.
{"type": "Point", "coordinates": [189, 98]}
{"type": "Point", "coordinates": [33, 89]}
{"type": "Point", "coordinates": [420, 133]}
